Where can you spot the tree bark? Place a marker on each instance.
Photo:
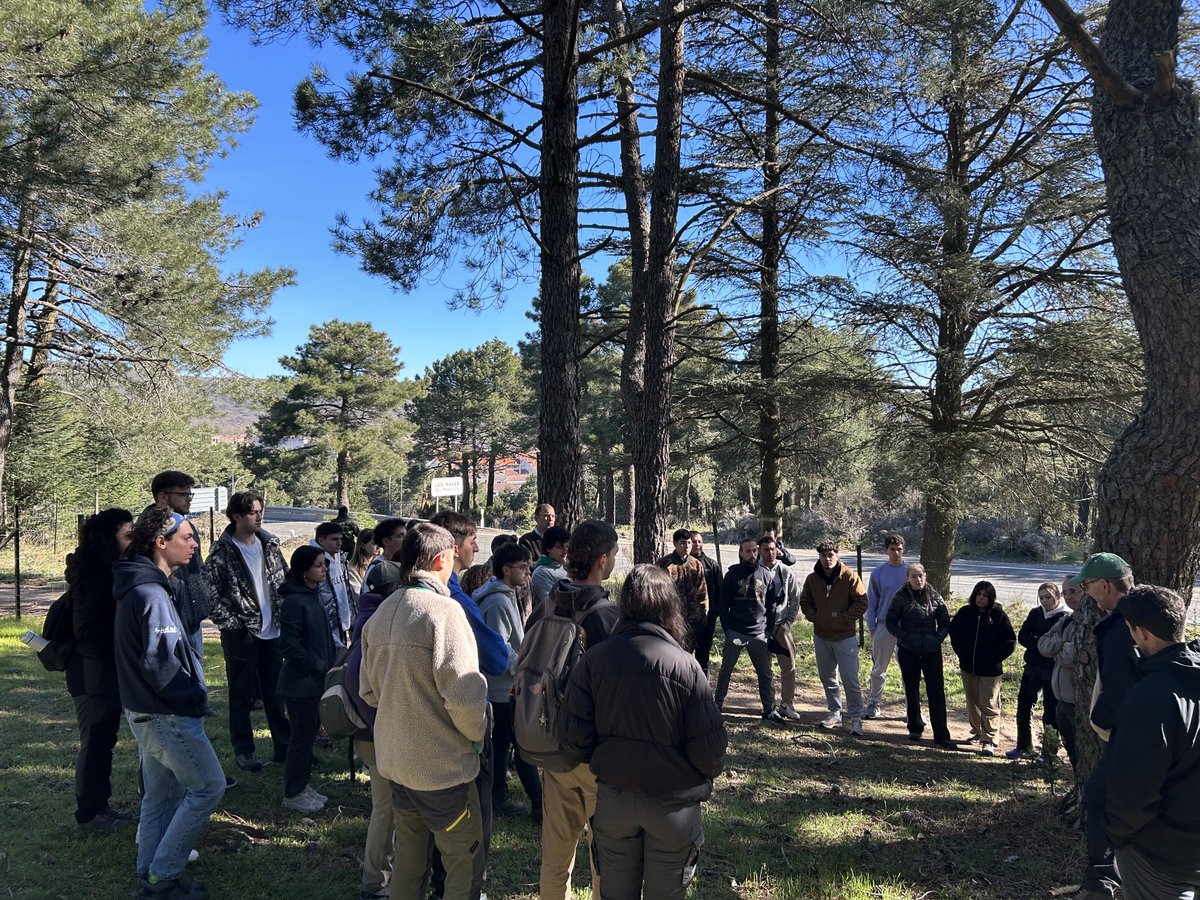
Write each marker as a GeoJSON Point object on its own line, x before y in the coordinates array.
{"type": "Point", "coordinates": [653, 446]}
{"type": "Point", "coordinates": [559, 438]}
{"type": "Point", "coordinates": [1088, 746]}
{"type": "Point", "coordinates": [491, 477]}
{"type": "Point", "coordinates": [1148, 491]}
{"type": "Point", "coordinates": [769, 489]}
{"type": "Point", "coordinates": [14, 330]}
{"type": "Point", "coordinates": [343, 478]}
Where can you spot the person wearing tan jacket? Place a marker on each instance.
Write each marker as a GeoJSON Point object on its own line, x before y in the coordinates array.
{"type": "Point", "coordinates": [420, 668]}
{"type": "Point", "coordinates": [834, 599]}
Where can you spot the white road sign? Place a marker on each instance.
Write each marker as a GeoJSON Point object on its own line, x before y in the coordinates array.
{"type": "Point", "coordinates": [445, 487]}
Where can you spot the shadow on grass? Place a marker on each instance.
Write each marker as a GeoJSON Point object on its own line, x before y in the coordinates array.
{"type": "Point", "coordinates": [799, 813]}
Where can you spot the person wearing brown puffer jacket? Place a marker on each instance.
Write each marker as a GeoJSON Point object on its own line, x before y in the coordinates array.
{"type": "Point", "coordinates": [640, 710]}
{"type": "Point", "coordinates": [833, 599]}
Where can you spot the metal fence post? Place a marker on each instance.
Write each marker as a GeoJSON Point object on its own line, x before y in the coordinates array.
{"type": "Point", "coordinates": [17, 554]}
{"type": "Point", "coordinates": [862, 640]}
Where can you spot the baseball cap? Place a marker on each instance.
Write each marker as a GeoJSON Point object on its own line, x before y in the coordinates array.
{"type": "Point", "coordinates": [1102, 565]}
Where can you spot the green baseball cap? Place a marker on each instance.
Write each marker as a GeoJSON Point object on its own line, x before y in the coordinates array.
{"type": "Point", "coordinates": [1102, 565]}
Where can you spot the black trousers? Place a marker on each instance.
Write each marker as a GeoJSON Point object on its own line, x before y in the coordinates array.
{"type": "Point", "coordinates": [247, 658]}
{"type": "Point", "coordinates": [1033, 682]}
{"type": "Point", "coordinates": [503, 738]}
{"type": "Point", "coordinates": [702, 637]}
{"type": "Point", "coordinates": [645, 846]}
{"type": "Point", "coordinates": [760, 658]}
{"type": "Point", "coordinates": [99, 718]}
{"type": "Point", "coordinates": [914, 667]}
{"type": "Point", "coordinates": [304, 715]}
{"type": "Point", "coordinates": [1101, 871]}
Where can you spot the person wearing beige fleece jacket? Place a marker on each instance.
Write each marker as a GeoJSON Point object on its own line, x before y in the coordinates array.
{"type": "Point", "coordinates": [420, 668]}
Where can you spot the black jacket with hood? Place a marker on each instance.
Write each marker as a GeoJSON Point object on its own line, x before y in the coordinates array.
{"type": "Point", "coordinates": [305, 642]}
{"type": "Point", "coordinates": [587, 603]}
{"type": "Point", "coordinates": [1036, 625]}
{"type": "Point", "coordinates": [982, 639]}
{"type": "Point", "coordinates": [157, 669]}
{"type": "Point", "coordinates": [640, 710]}
{"type": "Point", "coordinates": [93, 668]}
{"type": "Point", "coordinates": [1152, 765]}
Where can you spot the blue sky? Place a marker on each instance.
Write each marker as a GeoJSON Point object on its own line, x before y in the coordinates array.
{"type": "Point", "coordinates": [300, 190]}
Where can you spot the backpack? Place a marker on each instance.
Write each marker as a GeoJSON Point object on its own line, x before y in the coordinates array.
{"type": "Point", "coordinates": [339, 716]}
{"type": "Point", "coordinates": [549, 651]}
{"type": "Point", "coordinates": [59, 630]}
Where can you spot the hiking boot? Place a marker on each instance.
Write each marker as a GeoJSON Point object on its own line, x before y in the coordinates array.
{"type": "Point", "coordinates": [303, 803]}
{"type": "Point", "coordinates": [511, 807]}
{"type": "Point", "coordinates": [774, 717]}
{"type": "Point", "coordinates": [832, 720]}
{"type": "Point", "coordinates": [103, 823]}
{"type": "Point", "coordinates": [170, 889]}
{"type": "Point", "coordinates": [856, 727]}
{"type": "Point", "coordinates": [248, 762]}
{"type": "Point", "coordinates": [789, 712]}
{"type": "Point", "coordinates": [872, 711]}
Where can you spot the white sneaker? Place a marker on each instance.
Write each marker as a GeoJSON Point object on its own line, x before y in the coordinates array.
{"type": "Point", "coordinates": [833, 720]}
{"type": "Point", "coordinates": [302, 803]}
{"type": "Point", "coordinates": [193, 855]}
{"type": "Point", "coordinates": [311, 793]}
{"type": "Point", "coordinates": [789, 712]}
{"type": "Point", "coordinates": [856, 727]}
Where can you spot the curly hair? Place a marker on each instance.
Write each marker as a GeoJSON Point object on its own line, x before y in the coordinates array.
{"type": "Point", "coordinates": [154, 522]}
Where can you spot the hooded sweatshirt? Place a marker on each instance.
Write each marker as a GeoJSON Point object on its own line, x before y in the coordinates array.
{"type": "Point", "coordinates": [743, 600]}
{"type": "Point", "coordinates": [833, 601]}
{"type": "Point", "coordinates": [1152, 765]}
{"type": "Point", "coordinates": [546, 575]}
{"type": "Point", "coordinates": [502, 613]}
{"type": "Point", "coordinates": [587, 603]}
{"type": "Point", "coordinates": [157, 670]}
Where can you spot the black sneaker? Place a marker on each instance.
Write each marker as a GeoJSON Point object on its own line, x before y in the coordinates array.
{"type": "Point", "coordinates": [103, 823]}
{"type": "Point", "coordinates": [774, 717]}
{"type": "Point", "coordinates": [230, 781]}
{"type": "Point", "coordinates": [248, 762]}
{"type": "Point", "coordinates": [914, 735]}
{"type": "Point", "coordinates": [116, 814]}
{"type": "Point", "coordinates": [510, 807]}
{"type": "Point", "coordinates": [170, 889]}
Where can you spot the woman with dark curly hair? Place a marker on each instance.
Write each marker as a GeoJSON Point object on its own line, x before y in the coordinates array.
{"type": "Point", "coordinates": [641, 711]}
{"type": "Point", "coordinates": [92, 671]}
{"type": "Point", "coordinates": [162, 686]}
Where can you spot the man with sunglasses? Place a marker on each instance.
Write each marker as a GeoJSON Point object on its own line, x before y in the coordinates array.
{"type": "Point", "coordinates": [175, 490]}
{"type": "Point", "coordinates": [1106, 578]}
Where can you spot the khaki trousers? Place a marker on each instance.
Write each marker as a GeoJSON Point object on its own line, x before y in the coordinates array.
{"type": "Point", "coordinates": [378, 853]}
{"type": "Point", "coordinates": [787, 665]}
{"type": "Point", "coordinates": [983, 704]}
{"type": "Point", "coordinates": [568, 803]}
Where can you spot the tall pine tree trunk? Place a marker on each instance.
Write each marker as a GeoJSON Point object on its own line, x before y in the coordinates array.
{"type": "Point", "coordinates": [1148, 491]}
{"type": "Point", "coordinates": [653, 444]}
{"type": "Point", "coordinates": [343, 477]}
{"type": "Point", "coordinates": [14, 331]}
{"type": "Point", "coordinates": [769, 490]}
{"type": "Point", "coordinates": [559, 440]}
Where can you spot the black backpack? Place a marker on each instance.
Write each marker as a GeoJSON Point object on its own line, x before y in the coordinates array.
{"type": "Point", "coordinates": [59, 630]}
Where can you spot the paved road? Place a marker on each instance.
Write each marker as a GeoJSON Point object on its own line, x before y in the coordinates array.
{"type": "Point", "coordinates": [1016, 582]}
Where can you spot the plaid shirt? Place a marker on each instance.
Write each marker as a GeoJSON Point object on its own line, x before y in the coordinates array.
{"type": "Point", "coordinates": [688, 574]}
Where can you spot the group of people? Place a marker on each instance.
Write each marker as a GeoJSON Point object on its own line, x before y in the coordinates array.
{"type": "Point", "coordinates": [432, 645]}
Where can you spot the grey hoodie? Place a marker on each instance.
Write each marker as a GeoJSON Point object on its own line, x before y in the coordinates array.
{"type": "Point", "coordinates": [498, 604]}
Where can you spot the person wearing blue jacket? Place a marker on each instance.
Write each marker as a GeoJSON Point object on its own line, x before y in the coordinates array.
{"type": "Point", "coordinates": [161, 682]}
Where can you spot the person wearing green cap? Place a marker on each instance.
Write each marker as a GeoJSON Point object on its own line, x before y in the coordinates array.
{"type": "Point", "coordinates": [1106, 578]}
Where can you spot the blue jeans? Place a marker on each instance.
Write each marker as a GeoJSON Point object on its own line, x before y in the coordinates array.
{"type": "Point", "coordinates": [183, 783]}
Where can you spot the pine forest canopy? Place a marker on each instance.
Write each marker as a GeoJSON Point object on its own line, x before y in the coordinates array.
{"type": "Point", "coordinates": [862, 250]}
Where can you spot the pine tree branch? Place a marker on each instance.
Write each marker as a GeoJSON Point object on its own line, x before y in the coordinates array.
{"type": "Point", "coordinates": [1103, 72]}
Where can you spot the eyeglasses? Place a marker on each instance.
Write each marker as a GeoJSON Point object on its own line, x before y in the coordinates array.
{"type": "Point", "coordinates": [1084, 584]}
{"type": "Point", "coordinates": [188, 494]}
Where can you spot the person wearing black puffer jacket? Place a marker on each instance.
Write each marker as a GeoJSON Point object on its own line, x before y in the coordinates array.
{"type": "Point", "coordinates": [1039, 671]}
{"type": "Point", "coordinates": [640, 710]}
{"type": "Point", "coordinates": [92, 671]}
{"type": "Point", "coordinates": [306, 644]}
{"type": "Point", "coordinates": [920, 621]}
{"type": "Point", "coordinates": [982, 638]}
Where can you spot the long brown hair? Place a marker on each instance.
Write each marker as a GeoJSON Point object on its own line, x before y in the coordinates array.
{"type": "Point", "coordinates": [650, 595]}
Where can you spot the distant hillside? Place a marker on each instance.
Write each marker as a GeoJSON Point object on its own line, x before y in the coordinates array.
{"type": "Point", "coordinates": [237, 403]}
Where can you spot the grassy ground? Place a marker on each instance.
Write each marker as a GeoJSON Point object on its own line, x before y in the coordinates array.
{"type": "Point", "coordinates": [799, 813]}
